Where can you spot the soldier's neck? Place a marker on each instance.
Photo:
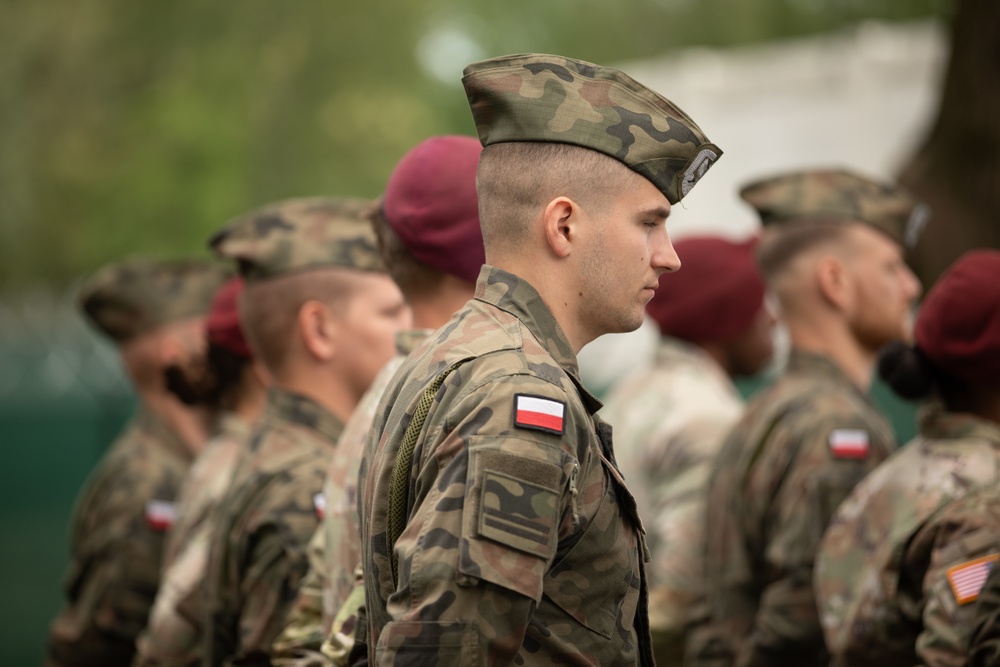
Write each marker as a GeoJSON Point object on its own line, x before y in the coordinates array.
{"type": "Point", "coordinates": [432, 311]}
{"type": "Point", "coordinates": [836, 343]}
{"type": "Point", "coordinates": [189, 424]}
{"type": "Point", "coordinates": [331, 394]}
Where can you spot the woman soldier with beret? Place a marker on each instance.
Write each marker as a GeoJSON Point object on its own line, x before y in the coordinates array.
{"type": "Point", "coordinates": [909, 551]}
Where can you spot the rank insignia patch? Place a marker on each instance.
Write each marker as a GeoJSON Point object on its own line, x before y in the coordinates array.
{"type": "Point", "coordinates": [541, 414]}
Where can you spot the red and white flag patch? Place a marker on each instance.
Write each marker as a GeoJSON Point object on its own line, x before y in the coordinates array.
{"type": "Point", "coordinates": [968, 579]}
{"type": "Point", "coordinates": [541, 414]}
{"type": "Point", "coordinates": [849, 443]}
{"type": "Point", "coordinates": [160, 514]}
{"type": "Point", "coordinates": [319, 502]}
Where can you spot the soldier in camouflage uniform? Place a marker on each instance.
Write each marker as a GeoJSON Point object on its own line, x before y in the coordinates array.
{"type": "Point", "coordinates": [153, 311]}
{"type": "Point", "coordinates": [896, 573]}
{"type": "Point", "coordinates": [670, 420]}
{"type": "Point", "coordinates": [984, 642]}
{"type": "Point", "coordinates": [832, 253]}
{"type": "Point", "coordinates": [496, 528]}
{"type": "Point", "coordinates": [428, 234]}
{"type": "Point", "coordinates": [232, 383]}
{"type": "Point", "coordinates": [322, 316]}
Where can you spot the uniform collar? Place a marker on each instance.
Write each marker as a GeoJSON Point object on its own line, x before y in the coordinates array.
{"type": "Point", "coordinates": [517, 297]}
{"type": "Point", "coordinates": [230, 424]}
{"type": "Point", "coordinates": [288, 406]}
{"type": "Point", "coordinates": [152, 426]}
{"type": "Point", "coordinates": [408, 340]}
{"type": "Point", "coordinates": [815, 365]}
{"type": "Point", "coordinates": [674, 352]}
{"type": "Point", "coordinates": [938, 424]}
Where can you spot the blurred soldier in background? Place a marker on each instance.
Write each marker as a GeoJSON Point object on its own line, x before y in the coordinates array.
{"type": "Point", "coordinates": [233, 384]}
{"type": "Point", "coordinates": [428, 234]}
{"type": "Point", "coordinates": [833, 255]}
{"type": "Point", "coordinates": [895, 576]}
{"type": "Point", "coordinates": [670, 420]}
{"type": "Point", "coordinates": [322, 316]}
{"type": "Point", "coordinates": [154, 312]}
{"type": "Point", "coordinates": [496, 528]}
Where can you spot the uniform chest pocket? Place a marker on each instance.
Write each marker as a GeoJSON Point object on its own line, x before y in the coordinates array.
{"type": "Point", "coordinates": [597, 580]}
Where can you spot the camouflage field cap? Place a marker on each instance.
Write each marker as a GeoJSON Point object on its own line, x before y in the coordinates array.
{"type": "Point", "coordinates": [129, 298]}
{"type": "Point", "coordinates": [537, 97]}
{"type": "Point", "coordinates": [300, 235]}
{"type": "Point", "coordinates": [838, 194]}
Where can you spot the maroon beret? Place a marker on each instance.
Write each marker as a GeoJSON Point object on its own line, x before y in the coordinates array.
{"type": "Point", "coordinates": [715, 295]}
{"type": "Point", "coordinates": [431, 204]}
{"type": "Point", "coordinates": [223, 326]}
{"type": "Point", "coordinates": [958, 326]}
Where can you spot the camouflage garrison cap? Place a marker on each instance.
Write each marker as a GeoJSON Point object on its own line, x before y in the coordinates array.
{"type": "Point", "coordinates": [132, 297]}
{"type": "Point", "coordinates": [838, 194]}
{"type": "Point", "coordinates": [535, 97]}
{"type": "Point", "coordinates": [298, 235]}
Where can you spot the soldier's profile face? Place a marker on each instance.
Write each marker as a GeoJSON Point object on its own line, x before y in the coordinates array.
{"type": "Point", "coordinates": [884, 289]}
{"type": "Point", "coordinates": [628, 251]}
{"type": "Point", "coordinates": [366, 331]}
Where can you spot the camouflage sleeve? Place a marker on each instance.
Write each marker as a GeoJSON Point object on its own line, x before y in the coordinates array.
{"type": "Point", "coordinates": [490, 501]}
{"type": "Point", "coordinates": [984, 642]}
{"type": "Point", "coordinates": [275, 565]}
{"type": "Point", "coordinates": [304, 632]}
{"type": "Point", "coordinates": [171, 639]}
{"type": "Point", "coordinates": [112, 581]}
{"type": "Point", "coordinates": [966, 543]}
{"type": "Point", "coordinates": [815, 481]}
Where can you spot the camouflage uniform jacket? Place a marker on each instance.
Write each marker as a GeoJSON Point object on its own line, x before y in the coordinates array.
{"type": "Point", "coordinates": [782, 471]}
{"type": "Point", "coordinates": [335, 548]}
{"type": "Point", "coordinates": [984, 643]}
{"type": "Point", "coordinates": [521, 543]}
{"type": "Point", "coordinates": [881, 581]}
{"type": "Point", "coordinates": [258, 555]}
{"type": "Point", "coordinates": [669, 425]}
{"type": "Point", "coordinates": [170, 638]}
{"type": "Point", "coordinates": [118, 533]}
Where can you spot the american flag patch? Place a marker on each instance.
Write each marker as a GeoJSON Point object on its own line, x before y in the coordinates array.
{"type": "Point", "coordinates": [849, 443]}
{"type": "Point", "coordinates": [319, 502]}
{"type": "Point", "coordinates": [968, 579]}
{"type": "Point", "coordinates": [160, 514]}
{"type": "Point", "coordinates": [541, 414]}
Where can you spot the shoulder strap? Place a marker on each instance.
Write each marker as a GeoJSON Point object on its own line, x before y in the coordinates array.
{"type": "Point", "coordinates": [399, 484]}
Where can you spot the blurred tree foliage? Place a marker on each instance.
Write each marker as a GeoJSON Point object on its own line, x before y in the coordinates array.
{"type": "Point", "coordinates": [134, 127]}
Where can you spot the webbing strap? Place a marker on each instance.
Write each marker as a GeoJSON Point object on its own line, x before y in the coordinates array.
{"type": "Point", "coordinates": [399, 484]}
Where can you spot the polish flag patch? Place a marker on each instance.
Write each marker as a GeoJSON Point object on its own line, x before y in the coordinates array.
{"type": "Point", "coordinates": [849, 443]}
{"type": "Point", "coordinates": [319, 502]}
{"type": "Point", "coordinates": [160, 514]}
{"type": "Point", "coordinates": [967, 580]}
{"type": "Point", "coordinates": [541, 414]}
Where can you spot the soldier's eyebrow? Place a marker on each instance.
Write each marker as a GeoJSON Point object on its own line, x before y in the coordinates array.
{"type": "Point", "coordinates": [655, 212]}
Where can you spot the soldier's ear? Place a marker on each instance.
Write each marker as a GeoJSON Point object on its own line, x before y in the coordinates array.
{"type": "Point", "coordinates": [317, 328]}
{"type": "Point", "coordinates": [559, 222]}
{"type": "Point", "coordinates": [834, 282]}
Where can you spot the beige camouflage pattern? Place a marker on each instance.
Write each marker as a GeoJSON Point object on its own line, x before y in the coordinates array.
{"type": "Point", "coordinates": [265, 520]}
{"type": "Point", "coordinates": [170, 638]}
{"type": "Point", "coordinates": [298, 235]}
{"type": "Point", "coordinates": [117, 550]}
{"type": "Point", "coordinates": [774, 489]}
{"type": "Point", "coordinates": [521, 546]}
{"type": "Point", "coordinates": [669, 425]}
{"type": "Point", "coordinates": [881, 584]}
{"type": "Point", "coordinates": [538, 97]}
{"type": "Point", "coordinates": [132, 297]}
{"type": "Point", "coordinates": [838, 195]}
{"type": "Point", "coordinates": [984, 642]}
{"type": "Point", "coordinates": [335, 548]}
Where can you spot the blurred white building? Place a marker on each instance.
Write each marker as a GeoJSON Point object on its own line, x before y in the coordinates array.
{"type": "Point", "coordinates": [859, 98]}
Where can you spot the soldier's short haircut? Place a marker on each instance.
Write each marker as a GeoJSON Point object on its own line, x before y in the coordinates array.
{"type": "Point", "coordinates": [516, 179]}
{"type": "Point", "coordinates": [780, 244]}
{"type": "Point", "coordinates": [414, 278]}
{"type": "Point", "coordinates": [269, 309]}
